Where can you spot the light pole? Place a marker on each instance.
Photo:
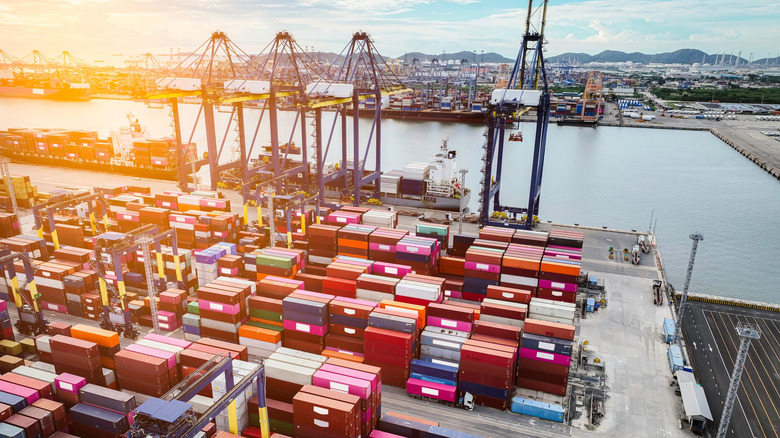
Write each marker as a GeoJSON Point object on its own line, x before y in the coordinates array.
{"type": "Point", "coordinates": [463, 173]}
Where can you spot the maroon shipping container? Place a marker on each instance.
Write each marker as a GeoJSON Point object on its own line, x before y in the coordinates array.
{"type": "Point", "coordinates": [544, 377]}
{"type": "Point", "coordinates": [219, 334]}
{"type": "Point", "coordinates": [491, 402]}
{"type": "Point", "coordinates": [448, 311]}
{"type": "Point", "coordinates": [352, 310]}
{"type": "Point", "coordinates": [57, 410]}
{"type": "Point", "coordinates": [141, 373]}
{"type": "Point", "coordinates": [5, 411]}
{"type": "Point", "coordinates": [31, 426]}
{"type": "Point", "coordinates": [317, 417]}
{"type": "Point", "coordinates": [487, 356]}
{"type": "Point", "coordinates": [551, 329]}
{"type": "Point", "coordinates": [342, 342]}
{"type": "Point", "coordinates": [491, 370]}
{"type": "Point", "coordinates": [516, 295]}
{"type": "Point", "coordinates": [44, 418]}
{"type": "Point", "coordinates": [537, 385]}
{"type": "Point", "coordinates": [210, 293]}
{"type": "Point", "coordinates": [498, 330]}
{"type": "Point", "coordinates": [388, 338]}
{"type": "Point", "coordinates": [281, 390]}
{"type": "Point", "coordinates": [278, 410]}
{"type": "Point", "coordinates": [349, 399]}
{"type": "Point", "coordinates": [503, 311]}
{"type": "Point", "coordinates": [527, 366]}
{"type": "Point", "coordinates": [343, 330]}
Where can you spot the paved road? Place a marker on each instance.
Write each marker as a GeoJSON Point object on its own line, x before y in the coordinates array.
{"type": "Point", "coordinates": [711, 337]}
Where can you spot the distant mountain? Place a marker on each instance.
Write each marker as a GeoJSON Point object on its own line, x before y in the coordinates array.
{"type": "Point", "coordinates": [491, 57]}
{"type": "Point", "coordinates": [682, 56]}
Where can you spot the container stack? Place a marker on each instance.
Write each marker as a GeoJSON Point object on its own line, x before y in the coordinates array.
{"type": "Point", "coordinates": [520, 267]}
{"type": "Point", "coordinates": [191, 321]}
{"type": "Point", "coordinates": [390, 182]}
{"type": "Point", "coordinates": [356, 382]}
{"type": "Point", "coordinates": [6, 328]}
{"type": "Point", "coordinates": [379, 218]}
{"type": "Point", "coordinates": [421, 253]}
{"type": "Point", "coordinates": [341, 276]}
{"type": "Point", "coordinates": [182, 271]}
{"type": "Point", "coordinates": [320, 412]}
{"type": "Point", "coordinates": [503, 311]}
{"type": "Point", "coordinates": [306, 321]}
{"type": "Point", "coordinates": [560, 267]}
{"type": "Point", "coordinates": [482, 268]}
{"type": "Point", "coordinates": [222, 307]}
{"type": "Point", "coordinates": [487, 370]}
{"type": "Point", "coordinates": [353, 240]}
{"type": "Point", "coordinates": [433, 379]}
{"type": "Point", "coordinates": [414, 176]}
{"type": "Point", "coordinates": [273, 261]}
{"type": "Point", "coordinates": [376, 288]}
{"type": "Point", "coordinates": [231, 265]}
{"type": "Point", "coordinates": [113, 410]}
{"type": "Point", "coordinates": [392, 340]}
{"type": "Point", "coordinates": [433, 231]}
{"type": "Point", "coordinates": [344, 217]}
{"type": "Point", "coordinates": [143, 373]}
{"type": "Point", "coordinates": [206, 262]}
{"type": "Point", "coordinates": [107, 341]}
{"type": "Point", "coordinates": [382, 244]}
{"type": "Point", "coordinates": [348, 320]}
{"type": "Point", "coordinates": [218, 389]}
{"type": "Point", "coordinates": [262, 334]}
{"type": "Point", "coordinates": [323, 243]}
{"type": "Point", "coordinates": [287, 371]}
{"type": "Point", "coordinates": [76, 356]}
{"type": "Point", "coordinates": [545, 356]}
{"type": "Point", "coordinates": [9, 225]}
{"type": "Point", "coordinates": [552, 311]}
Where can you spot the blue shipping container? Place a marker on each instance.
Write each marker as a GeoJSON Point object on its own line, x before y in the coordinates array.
{"type": "Point", "coordinates": [10, 431]}
{"type": "Point", "coordinates": [668, 330]}
{"type": "Point", "coordinates": [538, 409]}
{"type": "Point", "coordinates": [675, 358]}
{"type": "Point", "coordinates": [434, 369]}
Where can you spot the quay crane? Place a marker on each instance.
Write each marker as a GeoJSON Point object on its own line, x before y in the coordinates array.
{"type": "Point", "coordinates": [526, 91]}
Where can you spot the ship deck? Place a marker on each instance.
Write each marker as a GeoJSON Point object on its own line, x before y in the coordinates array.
{"type": "Point", "coordinates": [712, 341]}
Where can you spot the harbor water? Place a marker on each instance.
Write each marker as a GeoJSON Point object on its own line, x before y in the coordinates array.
{"type": "Point", "coordinates": [604, 177]}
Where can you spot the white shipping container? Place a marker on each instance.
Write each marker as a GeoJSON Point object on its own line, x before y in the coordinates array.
{"type": "Point", "coordinates": [447, 331]}
{"type": "Point", "coordinates": [506, 303]}
{"type": "Point", "coordinates": [288, 372]}
{"type": "Point", "coordinates": [281, 357]}
{"type": "Point", "coordinates": [554, 311]}
{"type": "Point", "coordinates": [501, 320]}
{"type": "Point", "coordinates": [370, 295]}
{"type": "Point", "coordinates": [520, 97]}
{"type": "Point", "coordinates": [553, 302]}
{"type": "Point", "coordinates": [516, 279]}
{"type": "Point", "coordinates": [160, 346]}
{"type": "Point", "coordinates": [422, 291]}
{"type": "Point", "coordinates": [184, 84]}
{"type": "Point", "coordinates": [552, 319]}
{"type": "Point", "coordinates": [303, 355]}
{"type": "Point", "coordinates": [330, 89]}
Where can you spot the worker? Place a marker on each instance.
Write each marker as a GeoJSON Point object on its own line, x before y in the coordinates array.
{"type": "Point", "coordinates": [136, 126]}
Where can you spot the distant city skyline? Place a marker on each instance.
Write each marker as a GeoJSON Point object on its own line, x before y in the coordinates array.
{"type": "Point", "coordinates": [100, 29]}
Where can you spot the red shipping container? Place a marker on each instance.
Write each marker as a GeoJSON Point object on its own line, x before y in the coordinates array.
{"type": "Point", "coordinates": [498, 330]}
{"type": "Point", "coordinates": [516, 295]}
{"type": "Point", "coordinates": [551, 329]}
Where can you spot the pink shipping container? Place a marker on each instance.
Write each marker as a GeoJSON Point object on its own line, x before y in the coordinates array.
{"type": "Point", "coordinates": [351, 373]}
{"type": "Point", "coordinates": [213, 203]}
{"type": "Point", "coordinates": [431, 389]}
{"type": "Point", "coordinates": [305, 328]}
{"type": "Point", "coordinates": [338, 382]}
{"type": "Point", "coordinates": [59, 308]}
{"type": "Point", "coordinates": [168, 340]}
{"type": "Point", "coordinates": [543, 356]}
{"type": "Point", "coordinates": [132, 216]}
{"type": "Point", "coordinates": [168, 356]}
{"type": "Point", "coordinates": [228, 309]}
{"type": "Point", "coordinates": [376, 433]}
{"type": "Point", "coordinates": [315, 294]}
{"type": "Point", "coordinates": [166, 317]}
{"type": "Point", "coordinates": [556, 285]}
{"type": "Point", "coordinates": [486, 267]}
{"type": "Point", "coordinates": [69, 383]}
{"type": "Point", "coordinates": [344, 218]}
{"type": "Point", "coordinates": [284, 280]}
{"type": "Point", "coordinates": [448, 323]}
{"type": "Point", "coordinates": [453, 294]}
{"type": "Point", "coordinates": [22, 391]}
{"type": "Point", "coordinates": [355, 301]}
{"type": "Point", "coordinates": [413, 248]}
{"type": "Point", "coordinates": [182, 219]}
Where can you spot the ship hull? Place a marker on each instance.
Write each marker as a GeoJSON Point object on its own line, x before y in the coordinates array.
{"type": "Point", "coordinates": [168, 174]}
{"type": "Point", "coordinates": [68, 94]}
{"type": "Point", "coordinates": [426, 115]}
{"type": "Point", "coordinates": [429, 202]}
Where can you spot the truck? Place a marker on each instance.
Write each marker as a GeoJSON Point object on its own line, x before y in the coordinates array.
{"type": "Point", "coordinates": [668, 330]}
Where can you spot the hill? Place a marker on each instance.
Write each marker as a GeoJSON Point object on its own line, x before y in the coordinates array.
{"type": "Point", "coordinates": [491, 57]}
{"type": "Point", "coordinates": [682, 56]}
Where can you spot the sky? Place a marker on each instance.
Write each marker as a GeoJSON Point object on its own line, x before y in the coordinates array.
{"type": "Point", "coordinates": [103, 29]}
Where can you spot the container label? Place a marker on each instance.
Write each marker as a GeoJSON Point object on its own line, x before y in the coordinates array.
{"type": "Point", "coordinates": [320, 423]}
{"type": "Point", "coordinates": [65, 385]}
{"type": "Point", "coordinates": [483, 266]}
{"type": "Point", "coordinates": [555, 293]}
{"type": "Point", "coordinates": [430, 391]}
{"type": "Point", "coordinates": [302, 327]}
{"type": "Point", "coordinates": [393, 271]}
{"type": "Point", "coordinates": [448, 323]}
{"type": "Point", "coordinates": [384, 247]}
{"type": "Point", "coordinates": [179, 218]}
{"type": "Point", "coordinates": [348, 330]}
{"type": "Point", "coordinates": [558, 285]}
{"type": "Point", "coordinates": [412, 249]}
{"type": "Point", "coordinates": [46, 274]}
{"type": "Point", "coordinates": [546, 346]}
{"type": "Point", "coordinates": [341, 219]}
{"type": "Point", "coordinates": [546, 356]}
{"type": "Point", "coordinates": [339, 387]}
{"type": "Point", "coordinates": [321, 411]}
{"type": "Point", "coordinates": [349, 311]}
{"type": "Point", "coordinates": [216, 306]}
{"type": "Point", "coordinates": [507, 295]}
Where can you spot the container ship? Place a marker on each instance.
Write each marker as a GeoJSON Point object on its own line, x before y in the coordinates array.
{"type": "Point", "coordinates": [52, 89]}
{"type": "Point", "coordinates": [127, 151]}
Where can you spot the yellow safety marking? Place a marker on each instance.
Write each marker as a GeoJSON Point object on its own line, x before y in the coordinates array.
{"type": "Point", "coordinates": [246, 211]}
{"type": "Point", "coordinates": [265, 429]}
{"type": "Point", "coordinates": [178, 268]}
{"type": "Point", "coordinates": [15, 290]}
{"type": "Point", "coordinates": [103, 291]}
{"type": "Point", "coordinates": [40, 232]}
{"type": "Point", "coordinates": [55, 239]}
{"type": "Point", "coordinates": [303, 223]}
{"type": "Point", "coordinates": [232, 417]}
{"type": "Point", "coordinates": [289, 239]}
{"type": "Point", "coordinates": [259, 217]}
{"type": "Point", "coordinates": [33, 292]}
{"type": "Point", "coordinates": [160, 265]}
{"type": "Point", "coordinates": [92, 223]}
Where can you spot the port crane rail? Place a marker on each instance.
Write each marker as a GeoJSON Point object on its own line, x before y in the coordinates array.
{"type": "Point", "coordinates": [526, 91]}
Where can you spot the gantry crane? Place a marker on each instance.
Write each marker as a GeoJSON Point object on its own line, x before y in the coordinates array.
{"type": "Point", "coordinates": [592, 94]}
{"type": "Point", "coordinates": [526, 91]}
{"type": "Point", "coordinates": [31, 319]}
{"type": "Point", "coordinates": [91, 202]}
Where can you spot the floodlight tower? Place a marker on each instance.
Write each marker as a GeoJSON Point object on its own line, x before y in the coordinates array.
{"type": "Point", "coordinates": [696, 237]}
{"type": "Point", "coordinates": [747, 332]}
